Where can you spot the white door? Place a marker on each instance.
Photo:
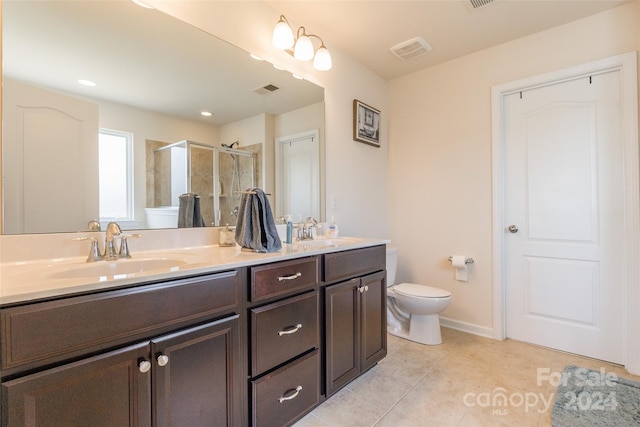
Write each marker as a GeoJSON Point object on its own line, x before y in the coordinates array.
{"type": "Point", "coordinates": [298, 186]}
{"type": "Point", "coordinates": [564, 197]}
{"type": "Point", "coordinates": [51, 185]}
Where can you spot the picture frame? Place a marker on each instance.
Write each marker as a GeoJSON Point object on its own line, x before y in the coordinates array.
{"type": "Point", "coordinates": [366, 123]}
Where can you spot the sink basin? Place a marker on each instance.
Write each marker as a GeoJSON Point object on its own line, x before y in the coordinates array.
{"type": "Point", "coordinates": [115, 269]}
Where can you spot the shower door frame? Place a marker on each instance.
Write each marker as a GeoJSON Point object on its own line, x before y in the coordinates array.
{"type": "Point", "coordinates": [217, 191]}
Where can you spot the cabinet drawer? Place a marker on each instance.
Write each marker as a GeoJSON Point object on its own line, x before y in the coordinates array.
{"type": "Point", "coordinates": [284, 395]}
{"type": "Point", "coordinates": [47, 332]}
{"type": "Point", "coordinates": [358, 262]}
{"type": "Point", "coordinates": [283, 330]}
{"type": "Point", "coordinates": [285, 277]}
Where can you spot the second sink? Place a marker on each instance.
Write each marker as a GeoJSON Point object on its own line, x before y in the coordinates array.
{"type": "Point", "coordinates": [114, 269]}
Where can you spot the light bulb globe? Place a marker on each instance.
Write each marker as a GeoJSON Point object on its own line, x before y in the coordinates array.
{"type": "Point", "coordinates": [282, 35]}
{"type": "Point", "coordinates": [322, 60]}
{"type": "Point", "coordinates": [303, 50]}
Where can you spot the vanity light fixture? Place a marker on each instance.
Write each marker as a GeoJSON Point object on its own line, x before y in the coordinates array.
{"type": "Point", "coordinates": [303, 49]}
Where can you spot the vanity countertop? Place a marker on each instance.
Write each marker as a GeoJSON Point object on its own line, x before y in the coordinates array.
{"type": "Point", "coordinates": [49, 278]}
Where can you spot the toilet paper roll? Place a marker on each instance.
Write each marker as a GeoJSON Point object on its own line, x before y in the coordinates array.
{"type": "Point", "coordinates": [459, 263]}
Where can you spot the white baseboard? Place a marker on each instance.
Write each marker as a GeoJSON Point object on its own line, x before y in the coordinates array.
{"type": "Point", "coordinates": [482, 331]}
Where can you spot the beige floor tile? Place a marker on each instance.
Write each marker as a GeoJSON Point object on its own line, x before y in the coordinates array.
{"type": "Point", "coordinates": [467, 381]}
{"type": "Point", "coordinates": [394, 343]}
{"type": "Point", "coordinates": [346, 408]}
{"type": "Point", "coordinates": [380, 388]}
{"type": "Point", "coordinates": [424, 410]}
{"type": "Point", "coordinates": [311, 420]}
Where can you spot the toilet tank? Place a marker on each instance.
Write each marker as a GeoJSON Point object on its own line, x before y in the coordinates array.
{"type": "Point", "coordinates": [392, 265]}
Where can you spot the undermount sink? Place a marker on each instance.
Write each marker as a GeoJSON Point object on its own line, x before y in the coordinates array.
{"type": "Point", "coordinates": [112, 269]}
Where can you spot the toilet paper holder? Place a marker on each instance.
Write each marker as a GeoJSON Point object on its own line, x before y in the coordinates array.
{"type": "Point", "coordinates": [466, 260]}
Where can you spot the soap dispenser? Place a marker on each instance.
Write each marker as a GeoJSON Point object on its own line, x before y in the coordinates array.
{"type": "Point", "coordinates": [333, 229]}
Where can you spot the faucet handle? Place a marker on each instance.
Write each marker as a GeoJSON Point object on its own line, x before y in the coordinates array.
{"type": "Point", "coordinates": [94, 250]}
{"type": "Point", "coordinates": [124, 246]}
{"type": "Point", "coordinates": [94, 225]}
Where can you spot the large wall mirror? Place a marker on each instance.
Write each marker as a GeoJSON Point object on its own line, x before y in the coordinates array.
{"type": "Point", "coordinates": [153, 75]}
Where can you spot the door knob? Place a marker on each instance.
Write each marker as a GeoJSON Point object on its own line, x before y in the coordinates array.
{"type": "Point", "coordinates": [513, 228]}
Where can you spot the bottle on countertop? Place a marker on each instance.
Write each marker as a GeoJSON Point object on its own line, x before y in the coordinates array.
{"type": "Point", "coordinates": [333, 229]}
{"type": "Point", "coordinates": [289, 230]}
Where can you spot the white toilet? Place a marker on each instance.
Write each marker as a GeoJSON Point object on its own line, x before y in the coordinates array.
{"type": "Point", "coordinates": [412, 309]}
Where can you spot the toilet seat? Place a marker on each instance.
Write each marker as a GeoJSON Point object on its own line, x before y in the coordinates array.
{"type": "Point", "coordinates": [420, 291]}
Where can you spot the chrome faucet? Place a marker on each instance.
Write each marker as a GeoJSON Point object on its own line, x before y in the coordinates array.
{"type": "Point", "coordinates": [113, 229]}
{"type": "Point", "coordinates": [110, 253]}
{"type": "Point", "coordinates": [306, 231]}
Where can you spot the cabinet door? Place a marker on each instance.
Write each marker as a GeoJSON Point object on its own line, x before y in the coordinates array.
{"type": "Point", "coordinates": [374, 319]}
{"type": "Point", "coordinates": [106, 390]}
{"type": "Point", "coordinates": [342, 322]}
{"type": "Point", "coordinates": [197, 376]}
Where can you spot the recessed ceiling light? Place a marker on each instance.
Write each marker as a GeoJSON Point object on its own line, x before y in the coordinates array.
{"type": "Point", "coordinates": [297, 76]}
{"type": "Point", "coordinates": [86, 82]}
{"type": "Point", "coordinates": [206, 113]}
{"type": "Point", "coordinates": [277, 67]}
{"type": "Point", "coordinates": [256, 57]}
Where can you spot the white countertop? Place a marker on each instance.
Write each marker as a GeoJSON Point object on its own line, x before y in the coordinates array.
{"type": "Point", "coordinates": [22, 281]}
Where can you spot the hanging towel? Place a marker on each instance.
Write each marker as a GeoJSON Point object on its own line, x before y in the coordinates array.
{"type": "Point", "coordinates": [189, 214]}
{"type": "Point", "coordinates": [256, 228]}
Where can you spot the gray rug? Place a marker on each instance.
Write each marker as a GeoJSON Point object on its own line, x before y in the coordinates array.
{"type": "Point", "coordinates": [588, 398]}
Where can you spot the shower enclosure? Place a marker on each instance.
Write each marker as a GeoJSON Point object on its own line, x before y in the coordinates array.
{"type": "Point", "coordinates": [216, 174]}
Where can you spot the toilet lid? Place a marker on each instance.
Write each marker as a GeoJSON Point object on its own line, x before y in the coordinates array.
{"type": "Point", "coordinates": [420, 291]}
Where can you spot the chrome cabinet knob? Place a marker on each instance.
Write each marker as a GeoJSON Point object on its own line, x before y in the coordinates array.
{"type": "Point", "coordinates": [513, 228]}
{"type": "Point", "coordinates": [162, 360]}
{"type": "Point", "coordinates": [144, 366]}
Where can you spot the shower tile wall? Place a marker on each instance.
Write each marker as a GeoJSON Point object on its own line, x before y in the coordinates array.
{"type": "Point", "coordinates": [229, 200]}
{"type": "Point", "coordinates": [202, 180]}
{"type": "Point", "coordinates": [158, 185]}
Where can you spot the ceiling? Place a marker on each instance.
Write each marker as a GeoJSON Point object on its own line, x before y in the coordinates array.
{"type": "Point", "coordinates": [65, 41]}
{"type": "Point", "coordinates": [178, 71]}
{"type": "Point", "coordinates": [365, 30]}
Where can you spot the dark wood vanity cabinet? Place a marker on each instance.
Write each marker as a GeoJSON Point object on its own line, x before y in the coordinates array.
{"type": "Point", "coordinates": [284, 341]}
{"type": "Point", "coordinates": [261, 345]}
{"type": "Point", "coordinates": [354, 315]}
{"type": "Point", "coordinates": [64, 362]}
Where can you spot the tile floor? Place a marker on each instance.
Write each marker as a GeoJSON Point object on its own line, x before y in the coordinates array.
{"type": "Point", "coordinates": [453, 384]}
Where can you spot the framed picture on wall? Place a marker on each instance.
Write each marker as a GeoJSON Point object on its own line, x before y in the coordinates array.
{"type": "Point", "coordinates": [366, 123]}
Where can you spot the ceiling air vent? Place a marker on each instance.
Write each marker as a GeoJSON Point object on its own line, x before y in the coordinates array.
{"type": "Point", "coordinates": [478, 4]}
{"type": "Point", "coordinates": [267, 89]}
{"type": "Point", "coordinates": [411, 48]}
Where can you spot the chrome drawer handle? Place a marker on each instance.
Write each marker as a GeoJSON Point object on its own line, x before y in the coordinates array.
{"type": "Point", "coordinates": [293, 276]}
{"type": "Point", "coordinates": [290, 330]}
{"type": "Point", "coordinates": [295, 394]}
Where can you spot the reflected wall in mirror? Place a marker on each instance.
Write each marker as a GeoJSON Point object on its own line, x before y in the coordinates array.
{"type": "Point", "coordinates": [150, 84]}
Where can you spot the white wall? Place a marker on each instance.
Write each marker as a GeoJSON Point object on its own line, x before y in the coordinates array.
{"type": "Point", "coordinates": [154, 126]}
{"type": "Point", "coordinates": [356, 173]}
{"type": "Point", "coordinates": [440, 152]}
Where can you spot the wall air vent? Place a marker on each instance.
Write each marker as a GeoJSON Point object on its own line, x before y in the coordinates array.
{"type": "Point", "coordinates": [473, 5]}
{"type": "Point", "coordinates": [266, 89]}
{"type": "Point", "coordinates": [411, 48]}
